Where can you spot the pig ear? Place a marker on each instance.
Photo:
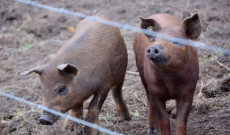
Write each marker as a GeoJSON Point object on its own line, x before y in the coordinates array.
{"type": "Point", "coordinates": [191, 26]}
{"type": "Point", "coordinates": [67, 69]}
{"type": "Point", "coordinates": [149, 24]}
{"type": "Point", "coordinates": [37, 70]}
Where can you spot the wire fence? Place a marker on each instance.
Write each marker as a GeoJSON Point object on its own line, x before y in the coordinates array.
{"type": "Point", "coordinates": [196, 44]}
{"type": "Point", "coordinates": [40, 107]}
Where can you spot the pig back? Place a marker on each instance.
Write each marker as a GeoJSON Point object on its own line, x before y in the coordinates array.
{"type": "Point", "coordinates": [98, 51]}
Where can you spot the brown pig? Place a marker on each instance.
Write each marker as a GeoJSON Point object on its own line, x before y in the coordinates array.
{"type": "Point", "coordinates": [92, 62]}
{"type": "Point", "coordinates": [168, 70]}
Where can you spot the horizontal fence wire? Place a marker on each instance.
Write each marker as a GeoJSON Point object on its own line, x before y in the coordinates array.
{"type": "Point", "coordinates": [40, 107]}
{"type": "Point", "coordinates": [196, 44]}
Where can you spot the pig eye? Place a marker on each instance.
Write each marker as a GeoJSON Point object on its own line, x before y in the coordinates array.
{"type": "Point", "coordinates": [150, 28]}
{"type": "Point", "coordinates": [61, 90]}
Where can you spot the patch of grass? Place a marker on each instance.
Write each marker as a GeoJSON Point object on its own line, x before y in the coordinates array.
{"type": "Point", "coordinates": [107, 117]}
{"type": "Point", "coordinates": [110, 117]}
{"type": "Point", "coordinates": [217, 30]}
{"type": "Point", "coordinates": [216, 107]}
{"type": "Point", "coordinates": [5, 90]}
{"type": "Point", "coordinates": [36, 128]}
{"type": "Point", "coordinates": [25, 45]}
{"type": "Point", "coordinates": [207, 59]}
{"type": "Point", "coordinates": [226, 72]}
{"type": "Point", "coordinates": [136, 114]}
{"type": "Point", "coordinates": [31, 117]}
{"type": "Point", "coordinates": [227, 98]}
{"type": "Point", "coordinates": [19, 115]}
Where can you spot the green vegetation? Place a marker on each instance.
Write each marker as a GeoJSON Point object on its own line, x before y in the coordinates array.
{"type": "Point", "coordinates": [136, 114]}
{"type": "Point", "coordinates": [207, 59]}
{"type": "Point", "coordinates": [107, 117]}
{"type": "Point", "coordinates": [24, 45]}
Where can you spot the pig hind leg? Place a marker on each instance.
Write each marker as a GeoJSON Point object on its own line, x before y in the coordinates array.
{"type": "Point", "coordinates": [77, 112]}
{"type": "Point", "coordinates": [121, 106]}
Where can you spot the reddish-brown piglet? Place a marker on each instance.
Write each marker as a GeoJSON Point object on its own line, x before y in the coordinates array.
{"type": "Point", "coordinates": [91, 63]}
{"type": "Point", "coordinates": [168, 70]}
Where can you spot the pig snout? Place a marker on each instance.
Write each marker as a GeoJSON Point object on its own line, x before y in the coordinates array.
{"type": "Point", "coordinates": [47, 118]}
{"type": "Point", "coordinates": [157, 55]}
{"type": "Point", "coordinates": [153, 52]}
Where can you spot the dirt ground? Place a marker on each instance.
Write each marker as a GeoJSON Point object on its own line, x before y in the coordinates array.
{"type": "Point", "coordinates": [30, 36]}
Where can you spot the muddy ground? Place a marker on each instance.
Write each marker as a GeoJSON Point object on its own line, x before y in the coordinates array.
{"type": "Point", "coordinates": [30, 36]}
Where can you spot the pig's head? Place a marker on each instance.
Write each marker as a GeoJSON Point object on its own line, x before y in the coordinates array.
{"type": "Point", "coordinates": [165, 54]}
{"type": "Point", "coordinates": [57, 85]}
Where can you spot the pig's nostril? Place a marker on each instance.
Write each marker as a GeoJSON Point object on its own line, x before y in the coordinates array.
{"type": "Point", "coordinates": [45, 122]}
{"type": "Point", "coordinates": [148, 51]}
{"type": "Point", "coordinates": [156, 51]}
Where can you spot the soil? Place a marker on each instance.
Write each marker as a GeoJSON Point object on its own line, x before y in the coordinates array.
{"type": "Point", "coordinates": [30, 36]}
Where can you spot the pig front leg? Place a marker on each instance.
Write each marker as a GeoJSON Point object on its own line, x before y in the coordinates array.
{"type": "Point", "coordinates": [183, 108]}
{"type": "Point", "coordinates": [94, 110]}
{"type": "Point", "coordinates": [162, 115]}
{"type": "Point", "coordinates": [77, 112]}
{"type": "Point", "coordinates": [153, 128]}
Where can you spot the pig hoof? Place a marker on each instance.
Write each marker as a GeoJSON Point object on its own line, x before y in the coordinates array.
{"type": "Point", "coordinates": [89, 131]}
{"type": "Point", "coordinates": [69, 127]}
{"type": "Point", "coordinates": [126, 118]}
{"type": "Point", "coordinates": [152, 131]}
